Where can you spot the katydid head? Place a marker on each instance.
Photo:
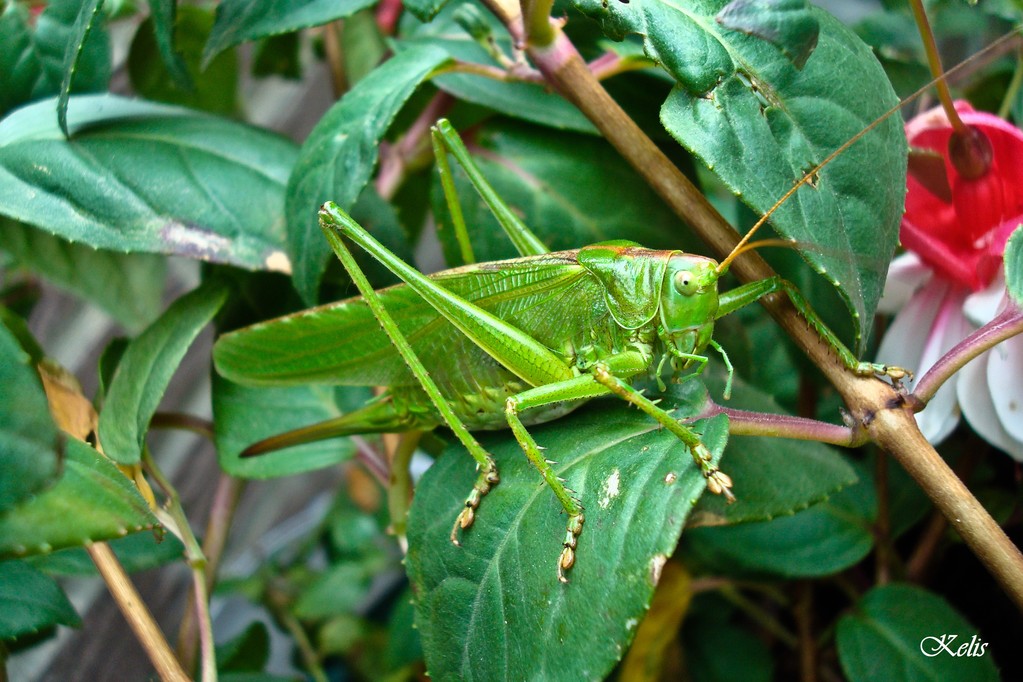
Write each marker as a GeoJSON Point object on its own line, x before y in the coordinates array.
{"type": "Point", "coordinates": [689, 303]}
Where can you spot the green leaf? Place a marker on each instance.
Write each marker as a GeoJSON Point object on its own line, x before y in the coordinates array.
{"type": "Point", "coordinates": [789, 25]}
{"type": "Point", "coordinates": [88, 15]}
{"type": "Point", "coordinates": [127, 286]}
{"type": "Point", "coordinates": [903, 633]}
{"type": "Point", "coordinates": [241, 20]}
{"type": "Point", "coordinates": [136, 552]}
{"type": "Point", "coordinates": [147, 177]}
{"type": "Point", "coordinates": [824, 539]}
{"type": "Point", "coordinates": [213, 89]}
{"type": "Point", "coordinates": [1014, 265]}
{"type": "Point", "coordinates": [773, 476]}
{"type": "Point", "coordinates": [363, 44]}
{"type": "Point", "coordinates": [92, 501]}
{"type": "Point", "coordinates": [29, 442]}
{"type": "Point", "coordinates": [338, 157]}
{"type": "Point", "coordinates": [146, 369]}
{"type": "Point", "coordinates": [761, 124]}
{"type": "Point", "coordinates": [708, 631]}
{"type": "Point", "coordinates": [32, 56]}
{"type": "Point", "coordinates": [338, 590]}
{"type": "Point", "coordinates": [425, 10]}
{"type": "Point", "coordinates": [248, 652]}
{"type": "Point", "coordinates": [570, 189]}
{"type": "Point", "coordinates": [163, 15]}
{"type": "Point", "coordinates": [280, 56]}
{"type": "Point", "coordinates": [528, 101]}
{"type": "Point", "coordinates": [244, 415]}
{"type": "Point", "coordinates": [493, 608]}
{"type": "Point", "coordinates": [31, 601]}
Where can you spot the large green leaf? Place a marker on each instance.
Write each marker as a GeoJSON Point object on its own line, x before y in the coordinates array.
{"type": "Point", "coordinates": [135, 552]}
{"type": "Point", "coordinates": [905, 634]}
{"type": "Point", "coordinates": [570, 189]}
{"type": "Point", "coordinates": [213, 89]}
{"type": "Point", "coordinates": [88, 18]}
{"type": "Point", "coordinates": [31, 601]}
{"type": "Point", "coordinates": [32, 56]}
{"type": "Point", "coordinates": [528, 101]}
{"type": "Point", "coordinates": [163, 15]}
{"type": "Point", "coordinates": [92, 501]}
{"type": "Point", "coordinates": [139, 176]}
{"type": "Point", "coordinates": [773, 476]}
{"type": "Point", "coordinates": [493, 608]}
{"type": "Point", "coordinates": [760, 123]}
{"type": "Point", "coordinates": [28, 438]}
{"type": "Point", "coordinates": [241, 20]}
{"type": "Point", "coordinates": [146, 369]}
{"type": "Point", "coordinates": [128, 286]}
{"type": "Point", "coordinates": [246, 415]}
{"type": "Point", "coordinates": [338, 157]}
{"type": "Point", "coordinates": [826, 538]}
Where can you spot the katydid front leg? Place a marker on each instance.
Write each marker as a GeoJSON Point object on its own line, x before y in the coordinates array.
{"type": "Point", "coordinates": [730, 301]}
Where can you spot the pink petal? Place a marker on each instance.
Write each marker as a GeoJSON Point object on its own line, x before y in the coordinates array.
{"type": "Point", "coordinates": [979, 410]}
{"type": "Point", "coordinates": [963, 240]}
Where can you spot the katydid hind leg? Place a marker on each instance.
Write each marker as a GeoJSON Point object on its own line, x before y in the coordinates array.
{"type": "Point", "coordinates": [330, 216]}
{"type": "Point", "coordinates": [446, 138]}
{"type": "Point", "coordinates": [377, 416]}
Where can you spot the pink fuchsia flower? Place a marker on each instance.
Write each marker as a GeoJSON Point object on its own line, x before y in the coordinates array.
{"type": "Point", "coordinates": [950, 282]}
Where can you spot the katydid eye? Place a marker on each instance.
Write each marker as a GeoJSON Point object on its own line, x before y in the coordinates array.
{"type": "Point", "coordinates": [685, 283]}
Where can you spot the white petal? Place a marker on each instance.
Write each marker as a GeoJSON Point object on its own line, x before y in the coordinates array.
{"type": "Point", "coordinates": [941, 416]}
{"type": "Point", "coordinates": [930, 324]}
{"type": "Point", "coordinates": [1005, 379]}
{"type": "Point", "coordinates": [981, 307]}
{"type": "Point", "coordinates": [979, 410]}
{"type": "Point", "coordinates": [904, 342]}
{"type": "Point", "coordinates": [906, 274]}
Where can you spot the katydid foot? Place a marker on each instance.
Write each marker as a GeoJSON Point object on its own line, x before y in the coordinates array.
{"type": "Point", "coordinates": [567, 558]}
{"type": "Point", "coordinates": [871, 369]}
{"type": "Point", "coordinates": [486, 480]}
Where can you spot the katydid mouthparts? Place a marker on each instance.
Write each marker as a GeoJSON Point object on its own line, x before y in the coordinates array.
{"type": "Point", "coordinates": [507, 344]}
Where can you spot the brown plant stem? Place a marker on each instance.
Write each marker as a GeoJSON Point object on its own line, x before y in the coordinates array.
{"type": "Point", "coordinates": [876, 405]}
{"type": "Point", "coordinates": [335, 57]}
{"type": "Point", "coordinates": [747, 423]}
{"type": "Point", "coordinates": [883, 526]}
{"type": "Point", "coordinates": [396, 159]}
{"type": "Point", "coordinates": [225, 501]}
{"type": "Point", "coordinates": [135, 612]}
{"type": "Point", "coordinates": [803, 613]}
{"type": "Point", "coordinates": [895, 430]}
{"type": "Point", "coordinates": [934, 61]}
{"type": "Point", "coordinates": [278, 603]}
{"type": "Point", "coordinates": [920, 559]}
{"type": "Point", "coordinates": [176, 520]}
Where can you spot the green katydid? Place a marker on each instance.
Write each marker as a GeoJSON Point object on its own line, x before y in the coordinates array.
{"type": "Point", "coordinates": [511, 343]}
